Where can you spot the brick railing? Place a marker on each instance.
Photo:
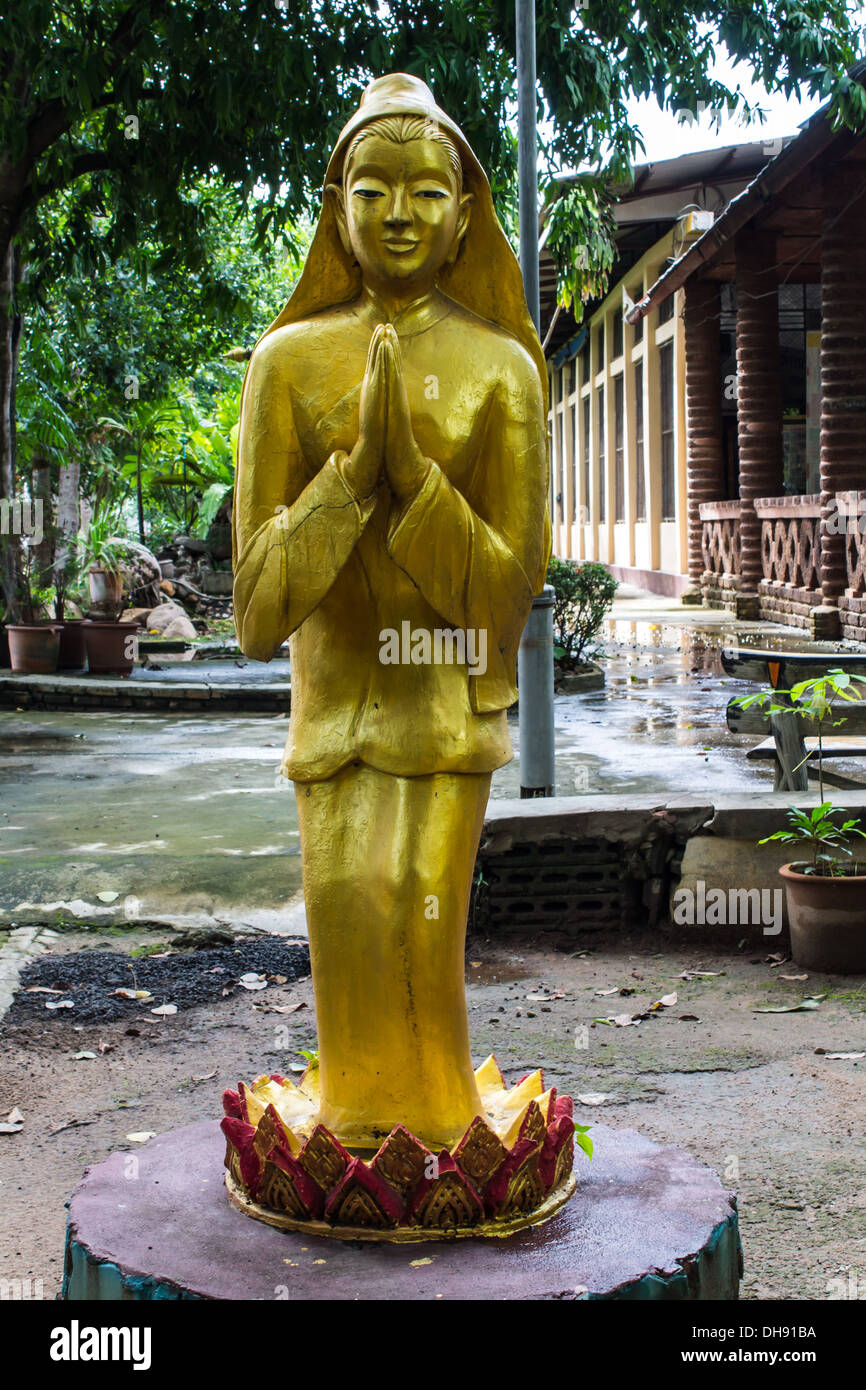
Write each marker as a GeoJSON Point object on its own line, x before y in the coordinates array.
{"type": "Point", "coordinates": [720, 549]}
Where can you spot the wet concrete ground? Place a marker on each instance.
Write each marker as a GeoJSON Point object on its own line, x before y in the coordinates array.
{"type": "Point", "coordinates": [187, 816]}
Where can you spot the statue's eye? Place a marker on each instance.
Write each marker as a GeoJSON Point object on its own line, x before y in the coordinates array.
{"type": "Point", "coordinates": [432, 193]}
{"type": "Point", "coordinates": [367, 192]}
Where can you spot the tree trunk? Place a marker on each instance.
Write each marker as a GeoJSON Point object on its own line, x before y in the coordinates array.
{"type": "Point", "coordinates": [10, 332]}
{"type": "Point", "coordinates": [43, 550]}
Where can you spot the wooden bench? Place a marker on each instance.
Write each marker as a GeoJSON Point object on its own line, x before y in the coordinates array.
{"type": "Point", "coordinates": [792, 744]}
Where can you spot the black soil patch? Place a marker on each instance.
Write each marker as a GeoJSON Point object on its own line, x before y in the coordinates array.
{"type": "Point", "coordinates": [184, 979]}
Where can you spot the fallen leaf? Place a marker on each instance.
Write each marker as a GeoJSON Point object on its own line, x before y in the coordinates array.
{"type": "Point", "coordinates": [83, 1056]}
{"type": "Point", "coordinates": [688, 1018]}
{"type": "Point", "coordinates": [278, 979]}
{"type": "Point", "coordinates": [59, 1004]}
{"type": "Point", "coordinates": [793, 977]}
{"type": "Point", "coordinates": [545, 998]}
{"type": "Point", "coordinates": [791, 1008]}
{"type": "Point", "coordinates": [416, 1264]}
{"type": "Point", "coordinates": [105, 1047]}
{"type": "Point", "coordinates": [285, 1008]}
{"type": "Point", "coordinates": [131, 993]}
{"type": "Point", "coordinates": [70, 1124]}
{"type": "Point", "coordinates": [475, 964]}
{"type": "Point", "coordinates": [6, 1128]}
{"type": "Point", "coordinates": [108, 897]}
{"type": "Point", "coordinates": [296, 1066]}
{"type": "Point", "coordinates": [842, 1056]}
{"type": "Point", "coordinates": [41, 989]}
{"type": "Point", "coordinates": [599, 992]}
{"type": "Point", "coordinates": [667, 1001]}
{"type": "Point", "coordinates": [165, 1009]}
{"type": "Point", "coordinates": [209, 1076]}
{"type": "Point", "coordinates": [776, 957]}
{"type": "Point", "coordinates": [15, 1117]}
{"type": "Point", "coordinates": [252, 981]}
{"type": "Point", "coordinates": [141, 1136]}
{"type": "Point", "coordinates": [700, 974]}
{"type": "Point", "coordinates": [593, 1098]}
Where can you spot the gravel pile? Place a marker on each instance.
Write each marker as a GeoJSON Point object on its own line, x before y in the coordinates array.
{"type": "Point", "coordinates": [185, 979]}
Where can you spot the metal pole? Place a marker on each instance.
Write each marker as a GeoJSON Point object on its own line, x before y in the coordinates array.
{"type": "Point", "coordinates": [535, 682]}
{"type": "Point", "coordinates": [535, 657]}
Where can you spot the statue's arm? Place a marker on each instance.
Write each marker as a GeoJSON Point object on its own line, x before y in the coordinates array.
{"type": "Point", "coordinates": [292, 534]}
{"type": "Point", "coordinates": [479, 559]}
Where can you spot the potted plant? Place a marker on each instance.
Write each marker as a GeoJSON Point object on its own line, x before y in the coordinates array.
{"type": "Point", "coordinates": [826, 891]}
{"type": "Point", "coordinates": [34, 644]}
{"type": "Point", "coordinates": [100, 555]}
{"type": "Point", "coordinates": [110, 644]}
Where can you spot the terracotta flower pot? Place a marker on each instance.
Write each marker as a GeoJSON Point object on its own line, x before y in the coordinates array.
{"type": "Point", "coordinates": [33, 648]}
{"type": "Point", "coordinates": [827, 919]}
{"type": "Point", "coordinates": [73, 649]}
{"type": "Point", "coordinates": [110, 649]}
{"type": "Point", "coordinates": [106, 587]}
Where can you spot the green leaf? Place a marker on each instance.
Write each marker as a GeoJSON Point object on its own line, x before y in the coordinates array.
{"type": "Point", "coordinates": [582, 1140]}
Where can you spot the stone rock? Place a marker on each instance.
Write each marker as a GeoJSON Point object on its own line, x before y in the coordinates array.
{"type": "Point", "coordinates": [135, 615]}
{"type": "Point", "coordinates": [180, 627]}
{"type": "Point", "coordinates": [163, 616]}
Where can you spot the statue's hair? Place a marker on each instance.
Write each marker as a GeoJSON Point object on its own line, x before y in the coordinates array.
{"type": "Point", "coordinates": [400, 130]}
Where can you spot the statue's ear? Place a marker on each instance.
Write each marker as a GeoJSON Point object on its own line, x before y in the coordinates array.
{"type": "Point", "coordinates": [334, 191]}
{"type": "Point", "coordinates": [462, 226]}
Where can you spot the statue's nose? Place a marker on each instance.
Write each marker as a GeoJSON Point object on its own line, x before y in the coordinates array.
{"type": "Point", "coordinates": [398, 212]}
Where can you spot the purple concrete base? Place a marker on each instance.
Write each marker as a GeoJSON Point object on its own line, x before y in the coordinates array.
{"type": "Point", "coordinates": [645, 1223]}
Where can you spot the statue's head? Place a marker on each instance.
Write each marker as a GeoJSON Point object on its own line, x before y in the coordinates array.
{"type": "Point", "coordinates": [400, 186]}
{"type": "Point", "coordinates": [401, 209]}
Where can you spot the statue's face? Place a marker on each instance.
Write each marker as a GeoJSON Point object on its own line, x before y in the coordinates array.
{"type": "Point", "coordinates": [401, 211]}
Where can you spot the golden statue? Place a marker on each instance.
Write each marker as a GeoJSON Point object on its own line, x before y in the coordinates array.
{"type": "Point", "coordinates": [390, 518]}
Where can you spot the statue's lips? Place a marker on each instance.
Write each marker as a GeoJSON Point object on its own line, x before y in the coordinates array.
{"type": "Point", "coordinates": [400, 246]}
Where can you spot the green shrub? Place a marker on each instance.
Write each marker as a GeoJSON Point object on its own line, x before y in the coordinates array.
{"type": "Point", "coordinates": [583, 594]}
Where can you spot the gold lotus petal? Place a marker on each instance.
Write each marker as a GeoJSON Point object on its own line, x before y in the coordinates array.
{"type": "Point", "coordinates": [489, 1078]}
{"type": "Point", "coordinates": [529, 1089]}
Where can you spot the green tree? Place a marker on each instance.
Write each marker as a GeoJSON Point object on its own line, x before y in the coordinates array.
{"type": "Point", "coordinates": [125, 106]}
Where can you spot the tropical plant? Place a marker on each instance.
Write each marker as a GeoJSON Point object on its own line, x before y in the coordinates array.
{"type": "Point", "coordinates": [815, 701]}
{"type": "Point", "coordinates": [98, 547]}
{"type": "Point", "coordinates": [825, 839]}
{"type": "Point", "coordinates": [583, 595]}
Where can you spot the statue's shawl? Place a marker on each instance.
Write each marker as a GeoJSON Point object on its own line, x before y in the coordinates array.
{"type": "Point", "coordinates": [485, 277]}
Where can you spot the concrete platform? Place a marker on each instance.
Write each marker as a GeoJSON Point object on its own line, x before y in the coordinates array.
{"type": "Point", "coordinates": [186, 687]}
{"type": "Point", "coordinates": [646, 1223]}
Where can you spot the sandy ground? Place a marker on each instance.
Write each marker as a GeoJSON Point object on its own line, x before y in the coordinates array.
{"type": "Point", "coordinates": [749, 1094]}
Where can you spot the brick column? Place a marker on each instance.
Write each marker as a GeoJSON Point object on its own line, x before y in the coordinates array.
{"type": "Point", "coordinates": [759, 401]}
{"type": "Point", "coordinates": [843, 376]}
{"type": "Point", "coordinates": [705, 471]}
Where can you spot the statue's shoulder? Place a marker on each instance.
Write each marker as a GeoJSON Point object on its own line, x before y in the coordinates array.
{"type": "Point", "coordinates": [508, 359]}
{"type": "Point", "coordinates": [292, 344]}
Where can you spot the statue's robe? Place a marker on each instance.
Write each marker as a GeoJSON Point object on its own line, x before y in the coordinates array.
{"type": "Point", "coordinates": [391, 762]}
